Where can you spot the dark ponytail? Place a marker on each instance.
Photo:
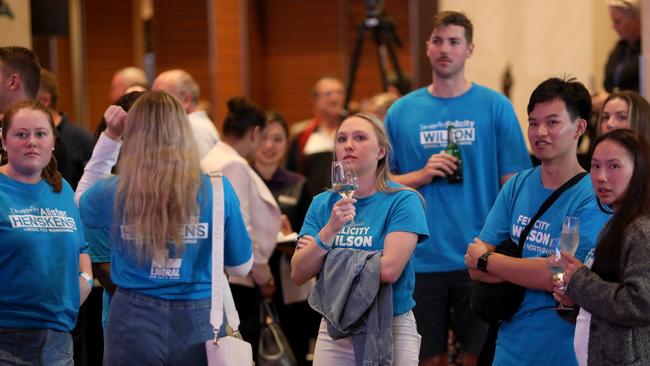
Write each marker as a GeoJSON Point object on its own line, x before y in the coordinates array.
{"type": "Point", "coordinates": [243, 116]}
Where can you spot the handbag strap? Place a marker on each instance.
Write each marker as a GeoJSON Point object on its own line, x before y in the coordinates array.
{"type": "Point", "coordinates": [221, 294]}
{"type": "Point", "coordinates": [547, 203]}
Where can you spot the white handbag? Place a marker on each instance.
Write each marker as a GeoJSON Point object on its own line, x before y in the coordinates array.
{"type": "Point", "coordinates": [229, 350]}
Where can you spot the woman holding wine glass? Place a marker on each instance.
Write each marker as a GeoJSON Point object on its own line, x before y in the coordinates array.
{"type": "Point", "coordinates": [389, 219]}
{"type": "Point", "coordinates": [614, 294]}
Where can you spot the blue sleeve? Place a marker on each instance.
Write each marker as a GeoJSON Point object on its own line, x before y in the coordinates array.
{"type": "Point", "coordinates": [388, 123]}
{"type": "Point", "coordinates": [497, 224]}
{"type": "Point", "coordinates": [237, 243]}
{"type": "Point", "coordinates": [408, 215]}
{"type": "Point", "coordinates": [85, 249]}
{"type": "Point", "coordinates": [316, 216]}
{"type": "Point", "coordinates": [512, 153]}
{"type": "Point", "coordinates": [99, 245]}
{"type": "Point", "coordinates": [96, 205]}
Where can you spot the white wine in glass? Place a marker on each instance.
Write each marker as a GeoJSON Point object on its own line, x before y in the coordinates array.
{"type": "Point", "coordinates": [570, 234]}
{"type": "Point", "coordinates": [344, 180]}
{"type": "Point", "coordinates": [554, 259]}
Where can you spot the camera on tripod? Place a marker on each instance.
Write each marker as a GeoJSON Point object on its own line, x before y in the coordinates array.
{"type": "Point", "coordinates": [383, 34]}
{"type": "Point", "coordinates": [374, 7]}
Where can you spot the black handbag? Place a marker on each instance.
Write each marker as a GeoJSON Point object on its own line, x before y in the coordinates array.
{"type": "Point", "coordinates": [494, 302]}
{"type": "Point", "coordinates": [273, 348]}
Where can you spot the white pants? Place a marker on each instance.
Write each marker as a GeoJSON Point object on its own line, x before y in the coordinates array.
{"type": "Point", "coordinates": [406, 345]}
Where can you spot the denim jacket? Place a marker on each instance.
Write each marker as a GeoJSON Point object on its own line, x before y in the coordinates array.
{"type": "Point", "coordinates": [350, 296]}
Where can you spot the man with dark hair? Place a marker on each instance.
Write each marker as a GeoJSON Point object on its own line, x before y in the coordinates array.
{"type": "Point", "coordinates": [74, 145]}
{"type": "Point", "coordinates": [492, 149]}
{"type": "Point", "coordinates": [20, 75]}
{"type": "Point", "coordinates": [558, 114]}
{"type": "Point", "coordinates": [182, 86]}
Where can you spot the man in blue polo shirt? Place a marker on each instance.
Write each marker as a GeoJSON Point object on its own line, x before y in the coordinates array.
{"type": "Point", "coordinates": [492, 149]}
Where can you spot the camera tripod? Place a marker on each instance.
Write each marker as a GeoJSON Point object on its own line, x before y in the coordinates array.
{"type": "Point", "coordinates": [385, 38]}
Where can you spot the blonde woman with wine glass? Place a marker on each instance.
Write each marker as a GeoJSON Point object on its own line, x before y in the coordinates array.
{"type": "Point", "coordinates": [389, 220]}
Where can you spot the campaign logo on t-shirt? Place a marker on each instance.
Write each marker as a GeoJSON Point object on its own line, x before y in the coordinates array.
{"type": "Point", "coordinates": [169, 270]}
{"type": "Point", "coordinates": [538, 237]}
{"type": "Point", "coordinates": [192, 232]}
{"type": "Point", "coordinates": [41, 220]}
{"type": "Point", "coordinates": [435, 135]}
{"type": "Point", "coordinates": [354, 237]}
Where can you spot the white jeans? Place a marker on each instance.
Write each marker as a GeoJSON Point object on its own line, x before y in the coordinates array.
{"type": "Point", "coordinates": [406, 345]}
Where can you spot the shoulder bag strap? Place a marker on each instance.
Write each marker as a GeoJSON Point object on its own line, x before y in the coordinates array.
{"type": "Point", "coordinates": [547, 203]}
{"type": "Point", "coordinates": [221, 295]}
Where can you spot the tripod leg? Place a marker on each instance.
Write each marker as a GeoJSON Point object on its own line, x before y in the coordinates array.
{"type": "Point", "coordinates": [389, 31]}
{"type": "Point", "coordinates": [354, 64]}
{"type": "Point", "coordinates": [381, 56]}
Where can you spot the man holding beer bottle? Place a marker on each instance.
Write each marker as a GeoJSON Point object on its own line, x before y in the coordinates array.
{"type": "Point", "coordinates": [427, 128]}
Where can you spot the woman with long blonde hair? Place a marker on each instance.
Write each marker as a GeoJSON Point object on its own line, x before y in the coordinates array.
{"type": "Point", "coordinates": [159, 213]}
{"type": "Point", "coordinates": [388, 219]}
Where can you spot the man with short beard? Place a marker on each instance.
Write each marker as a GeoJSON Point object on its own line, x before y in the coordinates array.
{"type": "Point", "coordinates": [492, 149]}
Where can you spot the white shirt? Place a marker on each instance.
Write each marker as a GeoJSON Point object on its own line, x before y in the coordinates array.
{"type": "Point", "coordinates": [205, 134]}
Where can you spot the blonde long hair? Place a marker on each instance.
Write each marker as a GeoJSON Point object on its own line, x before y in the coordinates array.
{"type": "Point", "coordinates": [159, 175]}
{"type": "Point", "coordinates": [382, 174]}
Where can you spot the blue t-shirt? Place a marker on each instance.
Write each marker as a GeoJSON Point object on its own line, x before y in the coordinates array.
{"type": "Point", "coordinates": [536, 335]}
{"type": "Point", "coordinates": [186, 276]}
{"type": "Point", "coordinates": [376, 216]}
{"type": "Point", "coordinates": [40, 242]}
{"type": "Point", "coordinates": [491, 145]}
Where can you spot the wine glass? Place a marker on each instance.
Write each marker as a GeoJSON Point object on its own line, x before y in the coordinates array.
{"type": "Point", "coordinates": [554, 262]}
{"type": "Point", "coordinates": [568, 243]}
{"type": "Point", "coordinates": [344, 180]}
{"type": "Point", "coordinates": [554, 259]}
{"type": "Point", "coordinates": [570, 234]}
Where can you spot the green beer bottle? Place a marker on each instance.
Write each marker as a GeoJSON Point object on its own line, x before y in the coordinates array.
{"type": "Point", "coordinates": [454, 150]}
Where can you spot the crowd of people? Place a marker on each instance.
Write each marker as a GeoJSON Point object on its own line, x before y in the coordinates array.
{"type": "Point", "coordinates": [377, 270]}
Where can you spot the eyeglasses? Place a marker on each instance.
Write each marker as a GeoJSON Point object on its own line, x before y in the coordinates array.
{"type": "Point", "coordinates": [331, 93]}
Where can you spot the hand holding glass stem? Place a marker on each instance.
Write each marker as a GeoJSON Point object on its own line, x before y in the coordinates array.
{"type": "Point", "coordinates": [344, 181]}
{"type": "Point", "coordinates": [568, 243]}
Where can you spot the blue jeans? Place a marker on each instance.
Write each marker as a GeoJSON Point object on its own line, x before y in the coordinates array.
{"type": "Point", "coordinates": [144, 330]}
{"type": "Point", "coordinates": [47, 347]}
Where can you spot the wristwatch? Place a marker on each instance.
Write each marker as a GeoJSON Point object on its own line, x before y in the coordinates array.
{"type": "Point", "coordinates": [482, 261]}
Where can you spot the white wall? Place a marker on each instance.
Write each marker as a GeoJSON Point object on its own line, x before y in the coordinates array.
{"type": "Point", "coordinates": [16, 31]}
{"type": "Point", "coordinates": [539, 39]}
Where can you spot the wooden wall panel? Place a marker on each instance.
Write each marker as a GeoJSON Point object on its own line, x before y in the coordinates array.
{"type": "Point", "coordinates": [64, 76]}
{"type": "Point", "coordinates": [368, 80]}
{"type": "Point", "coordinates": [180, 39]}
{"type": "Point", "coordinates": [270, 50]}
{"type": "Point", "coordinates": [108, 48]}
{"type": "Point", "coordinates": [229, 61]}
{"type": "Point", "coordinates": [303, 41]}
